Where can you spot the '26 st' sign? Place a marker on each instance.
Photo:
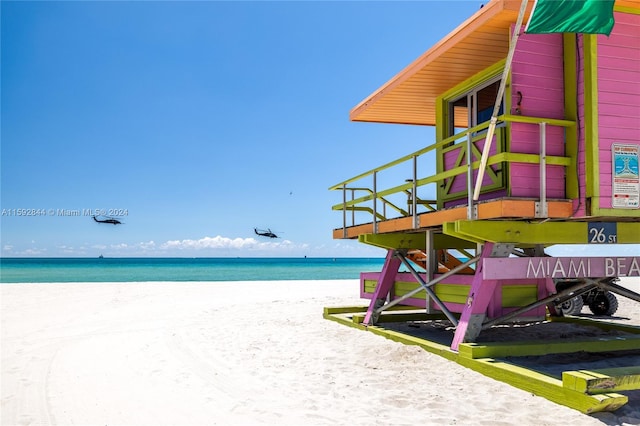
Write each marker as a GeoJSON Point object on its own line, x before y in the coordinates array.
{"type": "Point", "coordinates": [602, 233]}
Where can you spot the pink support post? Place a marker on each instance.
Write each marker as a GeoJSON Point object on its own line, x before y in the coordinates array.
{"type": "Point", "coordinates": [474, 312]}
{"type": "Point", "coordinates": [385, 283]}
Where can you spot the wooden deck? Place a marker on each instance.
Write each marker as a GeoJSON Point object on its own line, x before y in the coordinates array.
{"type": "Point", "coordinates": [496, 209]}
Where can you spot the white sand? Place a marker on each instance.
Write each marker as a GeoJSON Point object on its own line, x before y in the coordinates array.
{"type": "Point", "coordinates": [237, 353]}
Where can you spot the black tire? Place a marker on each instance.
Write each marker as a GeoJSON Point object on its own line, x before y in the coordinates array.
{"type": "Point", "coordinates": [604, 304]}
{"type": "Point", "coordinates": [572, 306]}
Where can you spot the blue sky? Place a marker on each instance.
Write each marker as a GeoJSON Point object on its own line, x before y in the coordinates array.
{"type": "Point", "coordinates": [198, 120]}
{"type": "Point", "coordinates": [203, 120]}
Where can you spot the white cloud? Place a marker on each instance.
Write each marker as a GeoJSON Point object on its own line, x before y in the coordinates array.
{"type": "Point", "coordinates": [68, 250]}
{"type": "Point", "coordinates": [218, 246]}
{"type": "Point", "coordinates": [226, 246]}
{"type": "Point", "coordinates": [32, 252]}
{"type": "Point", "coordinates": [149, 245]}
{"type": "Point", "coordinates": [217, 242]}
{"type": "Point", "coordinates": [121, 246]}
{"type": "Point", "coordinates": [12, 251]}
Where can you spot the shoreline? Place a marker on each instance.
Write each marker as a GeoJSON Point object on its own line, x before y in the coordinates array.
{"type": "Point", "coordinates": [631, 283]}
{"type": "Point", "coordinates": [238, 352]}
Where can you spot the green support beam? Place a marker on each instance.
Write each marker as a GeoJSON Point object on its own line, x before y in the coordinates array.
{"type": "Point", "coordinates": [414, 241]}
{"type": "Point", "coordinates": [546, 233]}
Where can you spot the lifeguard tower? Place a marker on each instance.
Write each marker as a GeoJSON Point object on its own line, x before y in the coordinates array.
{"type": "Point", "coordinates": [537, 144]}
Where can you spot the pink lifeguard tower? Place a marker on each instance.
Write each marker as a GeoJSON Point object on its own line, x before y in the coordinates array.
{"type": "Point", "coordinates": [537, 141]}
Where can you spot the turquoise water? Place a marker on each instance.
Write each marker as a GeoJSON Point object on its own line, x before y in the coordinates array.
{"type": "Point", "coordinates": [38, 270]}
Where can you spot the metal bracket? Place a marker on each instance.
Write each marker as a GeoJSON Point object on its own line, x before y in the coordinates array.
{"type": "Point", "coordinates": [542, 210]}
{"type": "Point", "coordinates": [474, 327]}
{"type": "Point", "coordinates": [502, 250]}
{"type": "Point", "coordinates": [377, 309]}
{"type": "Point", "coordinates": [472, 212]}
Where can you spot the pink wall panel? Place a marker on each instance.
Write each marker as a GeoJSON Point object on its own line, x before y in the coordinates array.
{"type": "Point", "coordinates": [532, 80]}
{"type": "Point", "coordinates": [525, 182]}
{"type": "Point", "coordinates": [615, 93]}
{"type": "Point", "coordinates": [537, 73]}
{"type": "Point", "coordinates": [618, 95]}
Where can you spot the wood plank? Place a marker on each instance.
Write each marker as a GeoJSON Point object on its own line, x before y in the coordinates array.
{"type": "Point", "coordinates": [399, 224]}
{"type": "Point", "coordinates": [344, 309]}
{"type": "Point", "coordinates": [544, 386]}
{"type": "Point", "coordinates": [544, 347]}
{"type": "Point", "coordinates": [509, 208]}
{"type": "Point", "coordinates": [437, 218]}
{"type": "Point", "coordinates": [399, 316]}
{"type": "Point", "coordinates": [603, 380]}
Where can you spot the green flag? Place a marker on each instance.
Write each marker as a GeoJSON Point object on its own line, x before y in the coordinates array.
{"type": "Point", "coordinates": [571, 16]}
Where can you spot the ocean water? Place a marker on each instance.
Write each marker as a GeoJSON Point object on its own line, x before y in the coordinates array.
{"type": "Point", "coordinates": [40, 270]}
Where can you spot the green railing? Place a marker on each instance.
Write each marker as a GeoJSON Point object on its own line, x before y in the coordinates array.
{"type": "Point", "coordinates": [371, 199]}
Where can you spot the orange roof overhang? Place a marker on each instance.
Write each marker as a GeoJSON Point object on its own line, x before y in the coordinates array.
{"type": "Point", "coordinates": [479, 42]}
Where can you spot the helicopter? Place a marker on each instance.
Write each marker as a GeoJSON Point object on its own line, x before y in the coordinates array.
{"type": "Point", "coordinates": [264, 233]}
{"type": "Point", "coordinates": [108, 220]}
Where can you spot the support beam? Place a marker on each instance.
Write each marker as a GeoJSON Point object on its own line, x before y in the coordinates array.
{"type": "Point", "coordinates": [474, 312]}
{"type": "Point", "coordinates": [430, 292]}
{"type": "Point", "coordinates": [429, 284]}
{"type": "Point", "coordinates": [625, 292]}
{"type": "Point", "coordinates": [384, 286]}
{"type": "Point", "coordinates": [547, 233]}
{"type": "Point", "coordinates": [411, 241]}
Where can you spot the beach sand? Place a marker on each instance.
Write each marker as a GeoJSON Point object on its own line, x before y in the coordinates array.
{"type": "Point", "coordinates": [232, 353]}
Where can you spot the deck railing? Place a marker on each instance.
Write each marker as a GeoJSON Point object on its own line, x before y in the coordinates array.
{"type": "Point", "coordinates": [370, 198]}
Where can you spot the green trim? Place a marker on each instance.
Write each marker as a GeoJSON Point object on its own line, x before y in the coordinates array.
{"type": "Point", "coordinates": [628, 232]}
{"type": "Point", "coordinates": [536, 120]}
{"type": "Point", "coordinates": [333, 310]}
{"type": "Point", "coordinates": [476, 80]}
{"type": "Point", "coordinates": [623, 9]}
{"type": "Point", "coordinates": [504, 157]}
{"type": "Point", "coordinates": [497, 177]}
{"type": "Point", "coordinates": [516, 296]}
{"type": "Point", "coordinates": [514, 157]}
{"type": "Point", "coordinates": [442, 114]}
{"type": "Point", "coordinates": [571, 113]}
{"type": "Point", "coordinates": [409, 241]}
{"type": "Point", "coordinates": [442, 126]}
{"type": "Point", "coordinates": [616, 212]}
{"type": "Point", "coordinates": [369, 286]}
{"type": "Point", "coordinates": [452, 293]}
{"type": "Point", "coordinates": [590, 48]}
{"type": "Point", "coordinates": [544, 386]}
{"type": "Point", "coordinates": [505, 134]}
{"type": "Point", "coordinates": [401, 288]}
{"type": "Point", "coordinates": [527, 234]}
{"type": "Point", "coordinates": [450, 228]}
{"type": "Point", "coordinates": [602, 380]}
{"type": "Point", "coordinates": [592, 144]}
{"type": "Point", "coordinates": [544, 347]}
